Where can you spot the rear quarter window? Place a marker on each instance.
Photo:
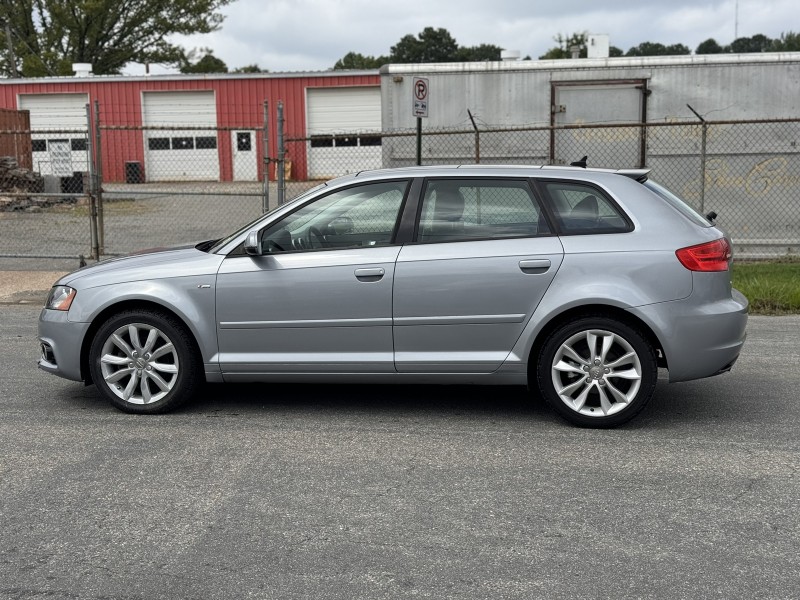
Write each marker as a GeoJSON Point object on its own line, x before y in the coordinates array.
{"type": "Point", "coordinates": [678, 204]}
{"type": "Point", "coordinates": [582, 209]}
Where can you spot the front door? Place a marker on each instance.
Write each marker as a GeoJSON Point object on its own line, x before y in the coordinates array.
{"type": "Point", "coordinates": [243, 150]}
{"type": "Point", "coordinates": [319, 297]}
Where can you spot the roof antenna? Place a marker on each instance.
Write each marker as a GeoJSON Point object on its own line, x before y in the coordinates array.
{"type": "Point", "coordinates": [579, 163]}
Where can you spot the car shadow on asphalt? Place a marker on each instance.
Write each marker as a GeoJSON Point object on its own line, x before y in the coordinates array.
{"type": "Point", "coordinates": [673, 405]}
{"type": "Point", "coordinates": [509, 402]}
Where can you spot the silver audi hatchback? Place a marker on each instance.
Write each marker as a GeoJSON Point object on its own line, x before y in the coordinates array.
{"type": "Point", "coordinates": [579, 283]}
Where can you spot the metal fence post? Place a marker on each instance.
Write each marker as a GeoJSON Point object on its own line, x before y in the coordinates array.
{"type": "Point", "coordinates": [98, 173]}
{"type": "Point", "coordinates": [95, 247]}
{"type": "Point", "coordinates": [703, 138]}
{"type": "Point", "coordinates": [281, 175]}
{"type": "Point", "coordinates": [265, 142]}
{"type": "Point", "coordinates": [477, 138]}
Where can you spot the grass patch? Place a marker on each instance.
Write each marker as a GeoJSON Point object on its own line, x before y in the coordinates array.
{"type": "Point", "coordinates": [772, 287]}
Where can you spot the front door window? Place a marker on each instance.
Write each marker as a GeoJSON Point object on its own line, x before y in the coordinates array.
{"type": "Point", "coordinates": [362, 216]}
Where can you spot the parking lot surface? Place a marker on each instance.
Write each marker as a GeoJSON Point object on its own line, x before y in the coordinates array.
{"type": "Point", "coordinates": [279, 491]}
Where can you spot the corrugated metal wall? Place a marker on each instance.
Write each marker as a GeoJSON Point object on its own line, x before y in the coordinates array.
{"type": "Point", "coordinates": [719, 86]}
{"type": "Point", "coordinates": [239, 105]}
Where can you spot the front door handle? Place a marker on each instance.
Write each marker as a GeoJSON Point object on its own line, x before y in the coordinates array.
{"type": "Point", "coordinates": [534, 266]}
{"type": "Point", "coordinates": [372, 274]}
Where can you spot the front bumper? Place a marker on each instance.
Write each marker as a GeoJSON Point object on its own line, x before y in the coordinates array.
{"type": "Point", "coordinates": [61, 341]}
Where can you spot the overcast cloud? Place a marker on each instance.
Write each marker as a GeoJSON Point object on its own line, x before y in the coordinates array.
{"type": "Point", "coordinates": [311, 35]}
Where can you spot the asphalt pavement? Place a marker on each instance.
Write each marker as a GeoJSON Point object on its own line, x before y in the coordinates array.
{"type": "Point", "coordinates": [307, 491]}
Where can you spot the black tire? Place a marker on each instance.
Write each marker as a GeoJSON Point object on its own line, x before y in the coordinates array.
{"type": "Point", "coordinates": [144, 362]}
{"type": "Point", "coordinates": [602, 389]}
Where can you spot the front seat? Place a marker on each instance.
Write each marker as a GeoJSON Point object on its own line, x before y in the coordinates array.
{"type": "Point", "coordinates": [448, 214]}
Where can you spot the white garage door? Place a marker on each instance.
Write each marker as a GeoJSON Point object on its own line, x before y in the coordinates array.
{"type": "Point", "coordinates": [187, 153]}
{"type": "Point", "coordinates": [58, 124]}
{"type": "Point", "coordinates": [340, 120]}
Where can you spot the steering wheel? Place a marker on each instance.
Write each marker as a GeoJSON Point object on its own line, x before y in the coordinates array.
{"type": "Point", "coordinates": [313, 233]}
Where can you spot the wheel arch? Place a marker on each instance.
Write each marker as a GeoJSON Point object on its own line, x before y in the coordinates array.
{"type": "Point", "coordinates": [593, 310]}
{"type": "Point", "coordinates": [127, 305]}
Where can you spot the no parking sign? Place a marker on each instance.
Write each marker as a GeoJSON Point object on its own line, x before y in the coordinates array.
{"type": "Point", "coordinates": [420, 97]}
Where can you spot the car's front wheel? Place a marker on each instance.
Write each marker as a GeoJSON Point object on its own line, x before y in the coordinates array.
{"type": "Point", "coordinates": [144, 361]}
{"type": "Point", "coordinates": [597, 372]}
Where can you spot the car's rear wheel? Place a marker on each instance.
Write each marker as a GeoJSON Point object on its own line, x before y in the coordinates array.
{"type": "Point", "coordinates": [597, 372]}
{"type": "Point", "coordinates": [144, 362]}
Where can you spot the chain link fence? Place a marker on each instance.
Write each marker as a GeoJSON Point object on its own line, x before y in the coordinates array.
{"type": "Point", "coordinates": [175, 196]}
{"type": "Point", "coordinates": [175, 181]}
{"type": "Point", "coordinates": [111, 189]}
{"type": "Point", "coordinates": [747, 172]}
{"type": "Point", "coordinates": [44, 193]}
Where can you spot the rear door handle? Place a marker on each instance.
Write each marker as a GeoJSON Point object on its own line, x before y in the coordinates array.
{"type": "Point", "coordinates": [373, 274]}
{"type": "Point", "coordinates": [535, 266]}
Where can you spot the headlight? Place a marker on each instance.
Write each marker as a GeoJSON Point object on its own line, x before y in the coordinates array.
{"type": "Point", "coordinates": [60, 298]}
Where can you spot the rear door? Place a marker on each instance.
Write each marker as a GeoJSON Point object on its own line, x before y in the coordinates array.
{"type": "Point", "coordinates": [483, 257]}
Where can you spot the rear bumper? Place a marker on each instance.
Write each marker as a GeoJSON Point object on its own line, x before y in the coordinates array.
{"type": "Point", "coordinates": [699, 339]}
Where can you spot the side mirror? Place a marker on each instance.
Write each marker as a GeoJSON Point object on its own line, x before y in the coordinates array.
{"type": "Point", "coordinates": [252, 245]}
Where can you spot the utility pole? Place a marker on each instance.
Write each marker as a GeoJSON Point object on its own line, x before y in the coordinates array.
{"type": "Point", "coordinates": [12, 59]}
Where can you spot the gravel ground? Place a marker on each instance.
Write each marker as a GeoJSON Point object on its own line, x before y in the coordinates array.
{"type": "Point", "coordinates": [26, 287]}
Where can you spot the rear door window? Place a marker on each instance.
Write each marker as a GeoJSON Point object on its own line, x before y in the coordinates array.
{"type": "Point", "coordinates": [470, 209]}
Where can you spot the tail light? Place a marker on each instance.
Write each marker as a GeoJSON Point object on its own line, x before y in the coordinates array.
{"type": "Point", "coordinates": [711, 256]}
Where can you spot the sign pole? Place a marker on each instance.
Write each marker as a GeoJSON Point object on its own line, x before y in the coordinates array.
{"type": "Point", "coordinates": [419, 141]}
{"type": "Point", "coordinates": [420, 110]}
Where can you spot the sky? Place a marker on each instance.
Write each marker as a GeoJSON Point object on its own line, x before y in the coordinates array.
{"type": "Point", "coordinates": [311, 35]}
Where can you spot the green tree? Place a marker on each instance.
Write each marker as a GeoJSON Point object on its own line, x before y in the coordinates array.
{"type": "Point", "coordinates": [657, 49]}
{"type": "Point", "coordinates": [354, 60]}
{"type": "Point", "coordinates": [49, 35]}
{"type": "Point", "coordinates": [482, 52]}
{"type": "Point", "coordinates": [788, 42]}
{"type": "Point", "coordinates": [565, 44]}
{"type": "Point", "coordinates": [429, 46]}
{"type": "Point", "coordinates": [757, 43]}
{"type": "Point", "coordinates": [254, 68]}
{"type": "Point", "coordinates": [614, 51]}
{"type": "Point", "coordinates": [208, 63]}
{"type": "Point", "coordinates": [710, 46]}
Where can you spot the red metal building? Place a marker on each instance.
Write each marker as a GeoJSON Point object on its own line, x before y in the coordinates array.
{"type": "Point", "coordinates": [205, 122]}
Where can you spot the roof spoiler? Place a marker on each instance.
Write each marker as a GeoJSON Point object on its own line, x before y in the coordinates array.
{"type": "Point", "coordinates": [639, 175]}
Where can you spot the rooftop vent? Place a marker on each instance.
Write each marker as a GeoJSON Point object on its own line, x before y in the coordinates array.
{"type": "Point", "coordinates": [82, 69]}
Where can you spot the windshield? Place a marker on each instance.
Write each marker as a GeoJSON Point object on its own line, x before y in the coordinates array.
{"type": "Point", "coordinates": [680, 205]}
{"type": "Point", "coordinates": [221, 243]}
